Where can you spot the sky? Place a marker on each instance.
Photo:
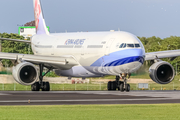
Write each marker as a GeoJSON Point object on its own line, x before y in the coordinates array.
{"type": "Point", "coordinates": [144, 18]}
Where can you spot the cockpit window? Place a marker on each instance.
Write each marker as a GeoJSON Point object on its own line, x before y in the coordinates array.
{"type": "Point", "coordinates": [137, 45]}
{"type": "Point", "coordinates": [121, 45]}
{"type": "Point", "coordinates": [124, 45]}
{"type": "Point", "coordinates": [130, 45]}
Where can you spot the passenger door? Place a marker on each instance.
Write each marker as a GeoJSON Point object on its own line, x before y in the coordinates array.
{"type": "Point", "coordinates": [108, 45]}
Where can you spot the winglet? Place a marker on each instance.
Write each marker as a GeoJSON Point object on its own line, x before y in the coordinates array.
{"type": "Point", "coordinates": [39, 19]}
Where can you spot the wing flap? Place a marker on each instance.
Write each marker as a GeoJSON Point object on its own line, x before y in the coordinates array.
{"type": "Point", "coordinates": [162, 54]}
{"type": "Point", "coordinates": [61, 62]}
{"type": "Point", "coordinates": [9, 56]}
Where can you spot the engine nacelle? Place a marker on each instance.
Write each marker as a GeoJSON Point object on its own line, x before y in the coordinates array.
{"type": "Point", "coordinates": [25, 73]}
{"type": "Point", "coordinates": [162, 72]}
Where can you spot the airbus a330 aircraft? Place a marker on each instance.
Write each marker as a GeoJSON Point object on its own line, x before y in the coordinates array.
{"type": "Point", "coordinates": [86, 54]}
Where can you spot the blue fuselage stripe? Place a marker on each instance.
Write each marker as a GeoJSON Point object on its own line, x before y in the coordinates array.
{"type": "Point", "coordinates": [121, 57]}
{"type": "Point", "coordinates": [125, 61]}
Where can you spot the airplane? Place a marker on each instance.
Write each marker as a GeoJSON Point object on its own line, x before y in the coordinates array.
{"type": "Point", "coordinates": [86, 54]}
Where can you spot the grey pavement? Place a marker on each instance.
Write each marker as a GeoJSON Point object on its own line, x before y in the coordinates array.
{"type": "Point", "coordinates": [87, 97]}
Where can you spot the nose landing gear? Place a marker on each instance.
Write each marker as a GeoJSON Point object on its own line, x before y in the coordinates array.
{"type": "Point", "coordinates": [120, 85]}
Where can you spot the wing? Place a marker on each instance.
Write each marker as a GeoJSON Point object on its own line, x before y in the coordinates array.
{"type": "Point", "coordinates": [16, 40]}
{"type": "Point", "coordinates": [162, 54]}
{"type": "Point", "coordinates": [61, 62]}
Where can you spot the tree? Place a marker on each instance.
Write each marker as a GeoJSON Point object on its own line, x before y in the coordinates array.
{"type": "Point", "coordinates": [32, 23]}
{"type": "Point", "coordinates": [14, 47]}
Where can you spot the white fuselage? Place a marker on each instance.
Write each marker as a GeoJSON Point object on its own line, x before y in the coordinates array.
{"type": "Point", "coordinates": [98, 53]}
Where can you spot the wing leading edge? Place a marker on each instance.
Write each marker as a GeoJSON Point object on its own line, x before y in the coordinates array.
{"type": "Point", "coordinates": [16, 40]}
{"type": "Point", "coordinates": [162, 54]}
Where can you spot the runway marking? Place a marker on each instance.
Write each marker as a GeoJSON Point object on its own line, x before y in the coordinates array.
{"type": "Point", "coordinates": [86, 100]}
{"type": "Point", "coordinates": [4, 94]}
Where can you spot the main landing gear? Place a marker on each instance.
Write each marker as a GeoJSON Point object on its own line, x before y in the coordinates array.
{"type": "Point", "coordinates": [44, 86]}
{"type": "Point", "coordinates": [121, 86]}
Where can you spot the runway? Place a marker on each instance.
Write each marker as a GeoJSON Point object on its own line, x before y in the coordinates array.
{"type": "Point", "coordinates": [87, 97]}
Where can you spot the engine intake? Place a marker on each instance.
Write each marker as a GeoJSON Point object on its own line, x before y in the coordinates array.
{"type": "Point", "coordinates": [162, 72]}
{"type": "Point", "coordinates": [25, 73]}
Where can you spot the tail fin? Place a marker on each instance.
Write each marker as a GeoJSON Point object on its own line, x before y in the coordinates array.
{"type": "Point", "coordinates": [39, 19]}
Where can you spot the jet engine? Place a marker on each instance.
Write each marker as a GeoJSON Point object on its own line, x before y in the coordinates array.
{"type": "Point", "coordinates": [25, 73]}
{"type": "Point", "coordinates": [162, 72]}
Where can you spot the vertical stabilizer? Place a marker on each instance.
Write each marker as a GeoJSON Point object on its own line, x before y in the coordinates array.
{"type": "Point", "coordinates": [39, 19]}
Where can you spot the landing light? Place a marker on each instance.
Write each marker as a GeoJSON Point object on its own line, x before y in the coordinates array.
{"type": "Point", "coordinates": [112, 30]}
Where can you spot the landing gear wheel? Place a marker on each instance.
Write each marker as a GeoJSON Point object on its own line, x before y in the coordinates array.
{"type": "Point", "coordinates": [46, 86]}
{"type": "Point", "coordinates": [127, 87]}
{"type": "Point", "coordinates": [113, 85]}
{"type": "Point", "coordinates": [35, 86]}
{"type": "Point", "coordinates": [121, 87]}
{"type": "Point", "coordinates": [109, 86]}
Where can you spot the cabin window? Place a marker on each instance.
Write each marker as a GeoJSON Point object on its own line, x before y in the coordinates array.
{"type": "Point", "coordinates": [95, 46]}
{"type": "Point", "coordinates": [78, 46]}
{"type": "Point", "coordinates": [43, 46]}
{"type": "Point", "coordinates": [65, 46]}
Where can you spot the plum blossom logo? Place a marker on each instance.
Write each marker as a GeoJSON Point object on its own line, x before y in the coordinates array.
{"type": "Point", "coordinates": [37, 12]}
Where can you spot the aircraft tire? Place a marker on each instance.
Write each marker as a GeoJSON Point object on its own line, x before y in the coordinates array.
{"type": "Point", "coordinates": [109, 85]}
{"type": "Point", "coordinates": [46, 86]}
{"type": "Point", "coordinates": [32, 87]}
{"type": "Point", "coordinates": [127, 87]}
{"type": "Point", "coordinates": [35, 86]}
{"type": "Point", "coordinates": [113, 85]}
{"type": "Point", "coordinates": [121, 87]}
{"type": "Point", "coordinates": [118, 88]}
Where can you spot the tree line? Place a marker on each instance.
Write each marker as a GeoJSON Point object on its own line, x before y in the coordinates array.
{"type": "Point", "coordinates": [153, 44]}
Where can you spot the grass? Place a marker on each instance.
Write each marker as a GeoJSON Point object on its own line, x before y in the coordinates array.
{"type": "Point", "coordinates": [91, 112]}
{"type": "Point", "coordinates": [140, 76]}
{"type": "Point", "coordinates": [71, 87]}
{"type": "Point", "coordinates": [86, 87]}
{"type": "Point", "coordinates": [175, 84]}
